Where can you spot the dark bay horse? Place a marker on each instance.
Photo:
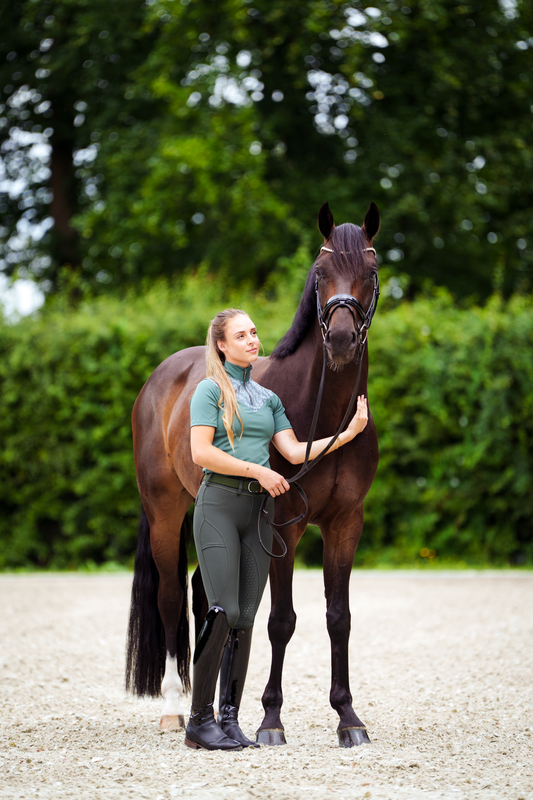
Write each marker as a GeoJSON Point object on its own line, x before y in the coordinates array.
{"type": "Point", "coordinates": [158, 639]}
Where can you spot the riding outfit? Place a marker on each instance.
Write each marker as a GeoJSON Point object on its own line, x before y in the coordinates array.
{"type": "Point", "coordinates": [233, 565]}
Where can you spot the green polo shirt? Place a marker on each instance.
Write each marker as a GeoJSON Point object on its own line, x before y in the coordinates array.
{"type": "Point", "coordinates": [261, 411]}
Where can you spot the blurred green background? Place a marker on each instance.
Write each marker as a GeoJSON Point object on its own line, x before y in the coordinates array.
{"type": "Point", "coordinates": [161, 160]}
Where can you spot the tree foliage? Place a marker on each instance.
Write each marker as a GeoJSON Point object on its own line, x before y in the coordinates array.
{"type": "Point", "coordinates": [220, 128]}
{"type": "Point", "coordinates": [63, 68]}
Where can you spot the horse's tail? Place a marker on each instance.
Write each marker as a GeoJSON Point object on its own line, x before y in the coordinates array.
{"type": "Point", "coordinates": [145, 648]}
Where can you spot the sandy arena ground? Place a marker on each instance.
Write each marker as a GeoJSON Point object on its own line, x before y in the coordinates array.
{"type": "Point", "coordinates": [441, 673]}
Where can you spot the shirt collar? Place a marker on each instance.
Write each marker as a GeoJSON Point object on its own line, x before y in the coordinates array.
{"type": "Point", "coordinates": [241, 374]}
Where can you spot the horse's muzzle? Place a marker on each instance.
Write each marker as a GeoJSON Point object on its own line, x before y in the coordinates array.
{"type": "Point", "coordinates": [341, 344]}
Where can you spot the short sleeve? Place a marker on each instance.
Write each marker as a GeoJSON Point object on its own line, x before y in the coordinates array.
{"type": "Point", "coordinates": [281, 423]}
{"type": "Point", "coordinates": [204, 404]}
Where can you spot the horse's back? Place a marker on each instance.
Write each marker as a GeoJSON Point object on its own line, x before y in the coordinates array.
{"type": "Point", "coordinates": [172, 375]}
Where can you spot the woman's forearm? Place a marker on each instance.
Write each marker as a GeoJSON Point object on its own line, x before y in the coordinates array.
{"type": "Point", "coordinates": [216, 460]}
{"type": "Point", "coordinates": [294, 451]}
{"type": "Point", "coordinates": [297, 454]}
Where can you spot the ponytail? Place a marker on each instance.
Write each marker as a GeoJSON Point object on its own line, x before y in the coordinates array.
{"type": "Point", "coordinates": [214, 360]}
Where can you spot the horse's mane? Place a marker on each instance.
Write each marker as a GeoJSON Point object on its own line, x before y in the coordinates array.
{"type": "Point", "coordinates": [347, 242]}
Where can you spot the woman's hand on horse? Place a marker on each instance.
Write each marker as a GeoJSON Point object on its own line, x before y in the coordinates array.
{"type": "Point", "coordinates": [273, 482]}
{"type": "Point", "coordinates": [359, 420]}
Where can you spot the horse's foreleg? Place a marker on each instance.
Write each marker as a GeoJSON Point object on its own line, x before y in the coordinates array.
{"type": "Point", "coordinates": [281, 625]}
{"type": "Point", "coordinates": [338, 559]}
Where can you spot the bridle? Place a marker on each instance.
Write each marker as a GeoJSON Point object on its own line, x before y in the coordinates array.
{"type": "Point", "coordinates": [352, 304]}
{"type": "Point", "coordinates": [324, 319]}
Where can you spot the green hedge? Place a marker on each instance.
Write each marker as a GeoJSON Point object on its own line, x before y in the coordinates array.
{"type": "Point", "coordinates": [452, 394]}
{"type": "Point", "coordinates": [451, 391]}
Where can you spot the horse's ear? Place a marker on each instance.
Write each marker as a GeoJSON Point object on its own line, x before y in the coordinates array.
{"type": "Point", "coordinates": [371, 223]}
{"type": "Point", "coordinates": [325, 221]}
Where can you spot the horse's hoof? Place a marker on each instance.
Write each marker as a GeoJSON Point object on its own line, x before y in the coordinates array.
{"type": "Point", "coordinates": [352, 737]}
{"type": "Point", "coordinates": [172, 722]}
{"type": "Point", "coordinates": [271, 736]}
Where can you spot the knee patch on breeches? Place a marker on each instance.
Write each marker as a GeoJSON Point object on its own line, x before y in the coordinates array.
{"type": "Point", "coordinates": [249, 590]}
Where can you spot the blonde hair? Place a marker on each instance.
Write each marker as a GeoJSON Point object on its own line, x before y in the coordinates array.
{"type": "Point", "coordinates": [214, 361]}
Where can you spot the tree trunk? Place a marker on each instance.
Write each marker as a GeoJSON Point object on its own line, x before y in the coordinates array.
{"type": "Point", "coordinates": [63, 186]}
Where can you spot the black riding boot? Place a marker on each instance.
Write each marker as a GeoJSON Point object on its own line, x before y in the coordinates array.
{"type": "Point", "coordinates": [232, 677]}
{"type": "Point", "coordinates": [202, 731]}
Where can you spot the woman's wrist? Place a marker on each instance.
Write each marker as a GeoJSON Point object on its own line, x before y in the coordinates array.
{"type": "Point", "coordinates": [347, 436]}
{"type": "Point", "coordinates": [251, 471]}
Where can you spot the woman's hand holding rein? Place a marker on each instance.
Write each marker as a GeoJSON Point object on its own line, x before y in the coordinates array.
{"type": "Point", "coordinates": [273, 482]}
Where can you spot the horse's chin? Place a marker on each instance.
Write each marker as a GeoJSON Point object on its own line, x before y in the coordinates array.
{"type": "Point", "coordinates": [338, 361]}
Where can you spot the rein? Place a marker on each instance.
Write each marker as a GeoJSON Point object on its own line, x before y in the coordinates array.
{"type": "Point", "coordinates": [324, 318]}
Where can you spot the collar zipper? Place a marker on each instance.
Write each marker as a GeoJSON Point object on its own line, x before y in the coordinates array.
{"type": "Point", "coordinates": [246, 389]}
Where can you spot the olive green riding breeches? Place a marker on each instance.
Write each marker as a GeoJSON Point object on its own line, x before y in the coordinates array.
{"type": "Point", "coordinates": [233, 564]}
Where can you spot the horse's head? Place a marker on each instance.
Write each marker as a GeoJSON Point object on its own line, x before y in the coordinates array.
{"type": "Point", "coordinates": [347, 284]}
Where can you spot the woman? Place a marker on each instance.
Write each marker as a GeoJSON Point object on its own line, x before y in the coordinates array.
{"type": "Point", "coordinates": [233, 421]}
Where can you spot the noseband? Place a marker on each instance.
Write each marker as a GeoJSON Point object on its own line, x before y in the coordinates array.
{"type": "Point", "coordinates": [352, 304]}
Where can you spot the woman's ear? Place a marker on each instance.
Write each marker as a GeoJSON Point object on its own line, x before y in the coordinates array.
{"type": "Point", "coordinates": [222, 346]}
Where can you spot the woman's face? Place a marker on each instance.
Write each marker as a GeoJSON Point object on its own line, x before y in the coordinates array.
{"type": "Point", "coordinates": [241, 345]}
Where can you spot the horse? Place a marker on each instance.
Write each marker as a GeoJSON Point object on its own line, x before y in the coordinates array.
{"type": "Point", "coordinates": [330, 323]}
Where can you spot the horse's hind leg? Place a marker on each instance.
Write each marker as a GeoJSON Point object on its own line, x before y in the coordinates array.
{"type": "Point", "coordinates": [199, 601]}
{"type": "Point", "coordinates": [281, 625]}
{"type": "Point", "coordinates": [167, 536]}
{"type": "Point", "coordinates": [339, 551]}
